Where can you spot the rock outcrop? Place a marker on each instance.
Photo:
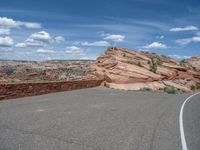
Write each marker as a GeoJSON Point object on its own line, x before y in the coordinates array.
{"type": "Point", "coordinates": [131, 70]}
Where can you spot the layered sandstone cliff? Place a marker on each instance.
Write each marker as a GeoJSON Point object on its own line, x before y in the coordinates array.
{"type": "Point", "coordinates": [130, 70]}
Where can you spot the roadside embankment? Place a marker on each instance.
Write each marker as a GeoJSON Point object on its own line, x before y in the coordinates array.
{"type": "Point", "coordinates": [8, 91]}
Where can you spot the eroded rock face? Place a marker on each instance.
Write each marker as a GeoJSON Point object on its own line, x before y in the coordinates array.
{"type": "Point", "coordinates": [127, 69]}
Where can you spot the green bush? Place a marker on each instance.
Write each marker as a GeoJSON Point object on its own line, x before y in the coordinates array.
{"type": "Point", "coordinates": [8, 70]}
{"type": "Point", "coordinates": [170, 90]}
{"type": "Point", "coordinates": [193, 87]}
{"type": "Point", "coordinates": [153, 64]}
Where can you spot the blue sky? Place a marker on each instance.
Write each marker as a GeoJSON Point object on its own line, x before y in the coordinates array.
{"type": "Point", "coordinates": [83, 29]}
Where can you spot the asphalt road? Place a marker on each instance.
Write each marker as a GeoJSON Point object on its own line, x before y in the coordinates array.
{"type": "Point", "coordinates": [191, 121]}
{"type": "Point", "coordinates": [98, 119]}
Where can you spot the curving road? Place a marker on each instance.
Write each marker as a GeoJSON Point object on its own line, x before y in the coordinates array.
{"type": "Point", "coordinates": [99, 119]}
{"type": "Point", "coordinates": [191, 123]}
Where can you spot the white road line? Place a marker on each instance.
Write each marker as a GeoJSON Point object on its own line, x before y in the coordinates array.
{"type": "Point", "coordinates": [183, 141]}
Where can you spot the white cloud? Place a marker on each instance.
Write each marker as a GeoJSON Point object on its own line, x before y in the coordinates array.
{"type": "Point", "coordinates": [179, 56]}
{"type": "Point", "coordinates": [34, 43]}
{"type": "Point", "coordinates": [96, 43]}
{"type": "Point", "coordinates": [6, 41]}
{"type": "Point", "coordinates": [38, 39]}
{"type": "Point", "coordinates": [29, 25]}
{"type": "Point", "coordinates": [162, 37]}
{"type": "Point", "coordinates": [113, 37]}
{"type": "Point", "coordinates": [41, 50]}
{"type": "Point", "coordinates": [41, 36]}
{"type": "Point", "coordinates": [187, 28]}
{"type": "Point", "coordinates": [59, 39]}
{"type": "Point", "coordinates": [20, 45]}
{"type": "Point", "coordinates": [10, 23]}
{"type": "Point", "coordinates": [186, 41]}
{"type": "Point", "coordinates": [156, 45]}
{"type": "Point", "coordinates": [196, 39]}
{"type": "Point", "coordinates": [74, 50]}
{"type": "Point", "coordinates": [183, 41]}
{"type": "Point", "coordinates": [4, 32]}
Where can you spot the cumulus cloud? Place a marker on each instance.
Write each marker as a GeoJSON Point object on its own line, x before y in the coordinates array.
{"type": "Point", "coordinates": [6, 41]}
{"type": "Point", "coordinates": [4, 32]}
{"type": "Point", "coordinates": [186, 41]}
{"type": "Point", "coordinates": [187, 28]}
{"type": "Point", "coordinates": [59, 39]}
{"type": "Point", "coordinates": [96, 43]}
{"type": "Point", "coordinates": [10, 23]}
{"type": "Point", "coordinates": [38, 39]}
{"type": "Point", "coordinates": [34, 43]}
{"type": "Point", "coordinates": [156, 45]}
{"type": "Point", "coordinates": [41, 36]}
{"type": "Point", "coordinates": [41, 50]}
{"type": "Point", "coordinates": [113, 37]}
{"type": "Point", "coordinates": [74, 51]}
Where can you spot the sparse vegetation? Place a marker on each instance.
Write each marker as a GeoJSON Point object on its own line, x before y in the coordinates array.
{"type": "Point", "coordinates": [153, 64]}
{"type": "Point", "coordinates": [170, 90]}
{"type": "Point", "coordinates": [182, 62]}
{"type": "Point", "coordinates": [8, 70]}
{"type": "Point", "coordinates": [145, 89]}
{"type": "Point", "coordinates": [193, 87]}
{"type": "Point", "coordinates": [165, 56]}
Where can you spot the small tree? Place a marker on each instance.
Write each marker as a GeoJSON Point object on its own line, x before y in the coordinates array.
{"type": "Point", "coordinates": [8, 70]}
{"type": "Point", "coordinates": [153, 64]}
{"type": "Point", "coordinates": [193, 87]}
{"type": "Point", "coordinates": [170, 90]}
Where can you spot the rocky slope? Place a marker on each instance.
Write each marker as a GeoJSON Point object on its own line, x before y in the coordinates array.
{"type": "Point", "coordinates": [131, 70]}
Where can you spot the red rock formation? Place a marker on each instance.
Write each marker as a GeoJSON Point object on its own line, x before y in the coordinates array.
{"type": "Point", "coordinates": [131, 70]}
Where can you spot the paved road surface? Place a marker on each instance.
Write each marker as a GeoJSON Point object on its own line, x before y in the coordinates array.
{"type": "Point", "coordinates": [98, 119]}
{"type": "Point", "coordinates": [191, 121]}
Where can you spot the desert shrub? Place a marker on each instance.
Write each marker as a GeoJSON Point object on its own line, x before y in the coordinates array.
{"type": "Point", "coordinates": [193, 87]}
{"type": "Point", "coordinates": [153, 64]}
{"type": "Point", "coordinates": [183, 61]}
{"type": "Point", "coordinates": [145, 89]}
{"type": "Point", "coordinates": [8, 70]}
{"type": "Point", "coordinates": [170, 90]}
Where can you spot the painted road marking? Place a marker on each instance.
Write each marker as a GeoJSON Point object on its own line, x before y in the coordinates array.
{"type": "Point", "coordinates": [183, 141]}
